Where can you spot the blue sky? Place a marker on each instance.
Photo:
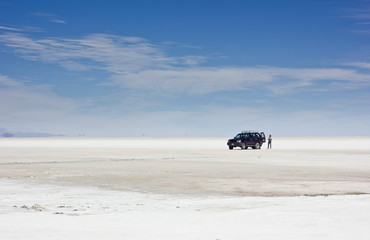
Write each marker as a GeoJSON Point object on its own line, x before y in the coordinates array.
{"type": "Point", "coordinates": [185, 68]}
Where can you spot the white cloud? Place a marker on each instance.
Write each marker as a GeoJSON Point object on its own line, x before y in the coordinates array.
{"type": "Point", "coordinates": [8, 82]}
{"type": "Point", "coordinates": [111, 53]}
{"type": "Point", "coordinates": [11, 29]}
{"type": "Point", "coordinates": [138, 64]}
{"type": "Point", "coordinates": [58, 21]}
{"type": "Point", "coordinates": [200, 80]}
{"type": "Point", "coordinates": [50, 17]}
{"type": "Point", "coordinates": [37, 108]}
{"type": "Point", "coordinates": [365, 65]}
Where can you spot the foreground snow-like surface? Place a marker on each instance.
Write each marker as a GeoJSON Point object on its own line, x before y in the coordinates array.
{"type": "Point", "coordinates": [55, 212]}
{"type": "Point", "coordinates": [184, 189]}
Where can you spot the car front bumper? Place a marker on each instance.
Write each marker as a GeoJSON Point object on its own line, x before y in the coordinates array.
{"type": "Point", "coordinates": [234, 144]}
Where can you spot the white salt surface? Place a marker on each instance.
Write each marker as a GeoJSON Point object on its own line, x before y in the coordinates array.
{"type": "Point", "coordinates": [55, 212]}
{"type": "Point", "coordinates": [130, 191]}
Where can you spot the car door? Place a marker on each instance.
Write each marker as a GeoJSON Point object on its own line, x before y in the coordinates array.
{"type": "Point", "coordinates": [252, 139]}
{"type": "Point", "coordinates": [263, 136]}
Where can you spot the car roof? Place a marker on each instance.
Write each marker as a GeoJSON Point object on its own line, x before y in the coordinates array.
{"type": "Point", "coordinates": [249, 132]}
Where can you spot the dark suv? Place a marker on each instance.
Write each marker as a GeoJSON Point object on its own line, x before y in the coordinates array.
{"type": "Point", "coordinates": [247, 139]}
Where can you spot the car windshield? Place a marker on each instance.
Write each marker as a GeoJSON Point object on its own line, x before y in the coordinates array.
{"type": "Point", "coordinates": [239, 136]}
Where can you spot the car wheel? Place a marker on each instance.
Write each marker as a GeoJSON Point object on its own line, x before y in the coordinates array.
{"type": "Point", "coordinates": [258, 146]}
{"type": "Point", "coordinates": [243, 146]}
{"type": "Point", "coordinates": [230, 147]}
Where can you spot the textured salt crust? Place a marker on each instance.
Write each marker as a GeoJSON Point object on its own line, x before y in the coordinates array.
{"type": "Point", "coordinates": [294, 167]}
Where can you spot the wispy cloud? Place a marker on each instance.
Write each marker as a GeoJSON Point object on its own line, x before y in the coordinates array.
{"type": "Point", "coordinates": [58, 21]}
{"type": "Point", "coordinates": [278, 80]}
{"type": "Point", "coordinates": [111, 53]}
{"type": "Point", "coordinates": [50, 17]}
{"type": "Point", "coordinates": [365, 65]}
{"type": "Point", "coordinates": [8, 82]}
{"type": "Point", "coordinates": [136, 63]}
{"type": "Point", "coordinates": [359, 13]}
{"type": "Point", "coordinates": [37, 107]}
{"type": "Point", "coordinates": [11, 29]}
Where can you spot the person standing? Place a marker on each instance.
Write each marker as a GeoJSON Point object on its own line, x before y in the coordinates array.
{"type": "Point", "coordinates": [269, 142]}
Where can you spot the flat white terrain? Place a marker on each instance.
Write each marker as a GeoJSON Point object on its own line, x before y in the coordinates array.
{"type": "Point", "coordinates": [303, 188]}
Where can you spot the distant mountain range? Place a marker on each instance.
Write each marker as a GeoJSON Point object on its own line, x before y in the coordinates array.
{"type": "Point", "coordinates": [4, 133]}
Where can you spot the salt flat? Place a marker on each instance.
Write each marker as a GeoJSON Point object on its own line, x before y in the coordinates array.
{"type": "Point", "coordinates": [294, 167]}
{"type": "Point", "coordinates": [303, 188]}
